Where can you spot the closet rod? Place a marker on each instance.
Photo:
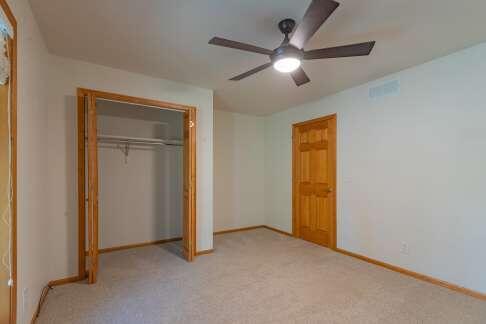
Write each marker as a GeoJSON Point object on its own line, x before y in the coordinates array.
{"type": "Point", "coordinates": [138, 140]}
{"type": "Point", "coordinates": [139, 104]}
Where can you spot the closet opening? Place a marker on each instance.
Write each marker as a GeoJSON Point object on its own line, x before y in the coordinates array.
{"type": "Point", "coordinates": [136, 176]}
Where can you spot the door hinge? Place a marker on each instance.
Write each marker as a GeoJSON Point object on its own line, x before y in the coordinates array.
{"type": "Point", "coordinates": [191, 123]}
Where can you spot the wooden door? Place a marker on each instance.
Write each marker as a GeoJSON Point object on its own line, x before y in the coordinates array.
{"type": "Point", "coordinates": [314, 181]}
{"type": "Point", "coordinates": [92, 190]}
{"type": "Point", "coordinates": [189, 167]}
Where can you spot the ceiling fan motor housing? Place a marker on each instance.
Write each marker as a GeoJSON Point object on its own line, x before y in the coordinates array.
{"type": "Point", "coordinates": [286, 26]}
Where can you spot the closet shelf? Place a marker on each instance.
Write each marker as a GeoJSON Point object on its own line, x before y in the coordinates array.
{"type": "Point", "coordinates": [138, 140]}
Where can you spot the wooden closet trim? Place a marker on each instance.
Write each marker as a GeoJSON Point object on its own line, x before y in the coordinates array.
{"type": "Point", "coordinates": [93, 185]}
{"type": "Point", "coordinates": [96, 94]}
{"type": "Point", "coordinates": [13, 124]}
{"type": "Point", "coordinates": [134, 100]}
{"type": "Point", "coordinates": [295, 176]}
{"type": "Point", "coordinates": [81, 124]}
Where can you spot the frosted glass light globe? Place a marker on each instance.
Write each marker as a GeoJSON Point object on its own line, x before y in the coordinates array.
{"type": "Point", "coordinates": [287, 64]}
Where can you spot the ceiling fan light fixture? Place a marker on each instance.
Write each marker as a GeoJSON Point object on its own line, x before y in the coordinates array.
{"type": "Point", "coordinates": [286, 64]}
{"type": "Point", "coordinates": [287, 58]}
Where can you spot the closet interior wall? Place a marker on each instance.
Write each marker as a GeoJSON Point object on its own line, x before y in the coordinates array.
{"type": "Point", "coordinates": [140, 184]}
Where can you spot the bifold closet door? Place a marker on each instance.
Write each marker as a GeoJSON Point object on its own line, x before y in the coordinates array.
{"type": "Point", "coordinates": [189, 167]}
{"type": "Point", "coordinates": [92, 158]}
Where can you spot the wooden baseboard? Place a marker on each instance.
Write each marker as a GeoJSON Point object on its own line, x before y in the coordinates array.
{"type": "Point", "coordinates": [204, 252]}
{"type": "Point", "coordinates": [240, 229]}
{"type": "Point", "coordinates": [252, 228]}
{"type": "Point", "coordinates": [136, 245]}
{"type": "Point", "coordinates": [277, 230]}
{"type": "Point", "coordinates": [416, 275]}
{"type": "Point", "coordinates": [64, 281]}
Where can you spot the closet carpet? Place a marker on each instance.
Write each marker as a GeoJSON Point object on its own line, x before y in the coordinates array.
{"type": "Point", "coordinates": [256, 276]}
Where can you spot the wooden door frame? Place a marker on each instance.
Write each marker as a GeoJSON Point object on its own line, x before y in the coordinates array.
{"type": "Point", "coordinates": [13, 141]}
{"type": "Point", "coordinates": [81, 125]}
{"type": "Point", "coordinates": [295, 176]}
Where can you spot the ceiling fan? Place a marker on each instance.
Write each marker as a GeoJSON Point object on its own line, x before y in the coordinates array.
{"type": "Point", "coordinates": [288, 56]}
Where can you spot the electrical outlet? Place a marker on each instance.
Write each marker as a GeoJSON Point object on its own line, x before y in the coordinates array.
{"type": "Point", "coordinates": [405, 248]}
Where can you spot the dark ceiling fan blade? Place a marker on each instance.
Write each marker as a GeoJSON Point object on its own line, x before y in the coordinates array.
{"type": "Point", "coordinates": [252, 71]}
{"type": "Point", "coordinates": [300, 77]}
{"type": "Point", "coordinates": [241, 46]}
{"type": "Point", "coordinates": [361, 49]}
{"type": "Point", "coordinates": [315, 16]}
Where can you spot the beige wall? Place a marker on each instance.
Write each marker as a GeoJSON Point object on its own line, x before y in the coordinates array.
{"type": "Point", "coordinates": [238, 170]}
{"type": "Point", "coordinates": [33, 246]}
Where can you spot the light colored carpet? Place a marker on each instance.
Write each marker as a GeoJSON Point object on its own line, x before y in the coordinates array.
{"type": "Point", "coordinates": [256, 276]}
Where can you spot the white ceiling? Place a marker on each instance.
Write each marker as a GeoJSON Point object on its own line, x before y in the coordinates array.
{"type": "Point", "coordinates": [168, 39]}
